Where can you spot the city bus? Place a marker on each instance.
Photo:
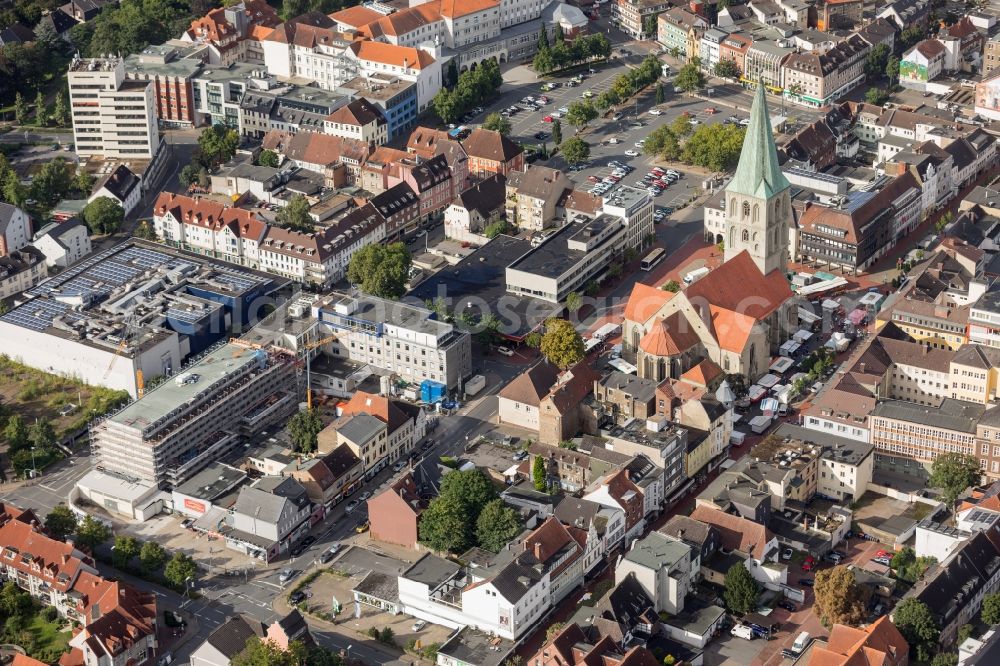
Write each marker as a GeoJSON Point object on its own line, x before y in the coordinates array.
{"type": "Point", "coordinates": [653, 258]}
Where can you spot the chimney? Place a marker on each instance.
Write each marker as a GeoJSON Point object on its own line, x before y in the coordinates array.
{"type": "Point", "coordinates": [538, 551]}
{"type": "Point", "coordinates": [65, 558]}
{"type": "Point", "coordinates": [861, 367]}
{"type": "Point", "coordinates": [95, 611]}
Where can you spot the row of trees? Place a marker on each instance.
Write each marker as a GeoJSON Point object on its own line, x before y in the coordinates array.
{"type": "Point", "coordinates": [128, 553]}
{"type": "Point", "coordinates": [630, 83]}
{"type": "Point", "coordinates": [716, 147]}
{"type": "Point", "coordinates": [474, 87]}
{"type": "Point", "coordinates": [58, 116]}
{"type": "Point", "coordinates": [565, 54]}
{"type": "Point", "coordinates": [468, 512]}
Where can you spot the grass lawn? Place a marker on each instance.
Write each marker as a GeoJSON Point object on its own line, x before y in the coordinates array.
{"type": "Point", "coordinates": [49, 642]}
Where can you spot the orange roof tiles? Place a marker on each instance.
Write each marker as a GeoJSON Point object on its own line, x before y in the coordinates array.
{"type": "Point", "coordinates": [703, 373]}
{"type": "Point", "coordinates": [389, 54]}
{"type": "Point", "coordinates": [736, 533]}
{"type": "Point", "coordinates": [209, 214]}
{"type": "Point", "coordinates": [356, 16]}
{"type": "Point", "coordinates": [669, 337]}
{"type": "Point", "coordinates": [878, 644]}
{"type": "Point", "coordinates": [644, 302]}
{"type": "Point", "coordinates": [738, 285]}
{"type": "Point", "coordinates": [455, 8]}
{"type": "Point", "coordinates": [731, 329]}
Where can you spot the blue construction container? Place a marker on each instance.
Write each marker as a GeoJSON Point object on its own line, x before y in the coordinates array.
{"type": "Point", "coordinates": [431, 391]}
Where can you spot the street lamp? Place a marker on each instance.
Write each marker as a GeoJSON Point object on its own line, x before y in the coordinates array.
{"type": "Point", "coordinates": [34, 471]}
{"type": "Point", "coordinates": [187, 586]}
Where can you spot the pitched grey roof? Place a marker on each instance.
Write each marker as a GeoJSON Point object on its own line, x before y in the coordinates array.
{"type": "Point", "coordinates": [638, 388]}
{"type": "Point", "coordinates": [951, 414]}
{"type": "Point", "coordinates": [432, 571]}
{"type": "Point", "coordinates": [268, 497]}
{"type": "Point", "coordinates": [361, 427]}
{"type": "Point", "coordinates": [687, 529]}
{"type": "Point", "coordinates": [231, 638]}
{"type": "Point", "coordinates": [7, 212]}
{"type": "Point", "coordinates": [515, 579]}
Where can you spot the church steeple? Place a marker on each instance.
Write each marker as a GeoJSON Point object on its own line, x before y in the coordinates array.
{"type": "Point", "coordinates": [758, 201]}
{"type": "Point", "coordinates": [758, 174]}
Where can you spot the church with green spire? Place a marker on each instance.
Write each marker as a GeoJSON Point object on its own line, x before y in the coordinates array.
{"type": "Point", "coordinates": [758, 198]}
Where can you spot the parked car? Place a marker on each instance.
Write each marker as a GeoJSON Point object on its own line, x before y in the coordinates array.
{"type": "Point", "coordinates": [364, 496]}
{"type": "Point", "coordinates": [807, 582]}
{"type": "Point", "coordinates": [788, 606]}
{"type": "Point", "coordinates": [287, 574]}
{"type": "Point", "coordinates": [835, 557]}
{"type": "Point", "coordinates": [362, 527]}
{"type": "Point", "coordinates": [351, 506]}
{"type": "Point", "coordinates": [418, 625]}
{"type": "Point", "coordinates": [505, 351]}
{"type": "Point", "coordinates": [632, 153]}
{"type": "Point", "coordinates": [786, 554]}
{"type": "Point", "coordinates": [884, 561]}
{"type": "Point", "coordinates": [655, 112]}
{"type": "Point", "coordinates": [809, 563]}
{"type": "Point", "coordinates": [547, 119]}
{"type": "Point", "coordinates": [883, 553]}
{"type": "Point", "coordinates": [330, 553]}
{"type": "Point", "coordinates": [400, 464]}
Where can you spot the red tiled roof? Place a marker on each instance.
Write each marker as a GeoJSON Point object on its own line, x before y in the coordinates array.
{"type": "Point", "coordinates": [703, 373]}
{"type": "Point", "coordinates": [669, 337]}
{"type": "Point", "coordinates": [739, 286]}
{"type": "Point", "coordinates": [644, 302]}
{"type": "Point", "coordinates": [356, 16]}
{"type": "Point", "coordinates": [878, 644]}
{"type": "Point", "coordinates": [209, 214]}
{"type": "Point", "coordinates": [389, 54]}
{"type": "Point", "coordinates": [532, 386]}
{"type": "Point", "coordinates": [736, 533]}
{"type": "Point", "coordinates": [456, 8]}
{"type": "Point", "coordinates": [378, 406]}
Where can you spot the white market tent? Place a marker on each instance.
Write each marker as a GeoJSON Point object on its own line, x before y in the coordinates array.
{"type": "Point", "coordinates": [768, 380]}
{"type": "Point", "coordinates": [781, 365]}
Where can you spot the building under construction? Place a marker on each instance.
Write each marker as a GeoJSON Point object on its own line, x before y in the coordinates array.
{"type": "Point", "coordinates": [131, 314]}
{"type": "Point", "coordinates": [199, 416]}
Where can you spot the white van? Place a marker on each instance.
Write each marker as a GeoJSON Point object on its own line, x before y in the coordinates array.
{"type": "Point", "coordinates": [801, 642]}
{"type": "Point", "coordinates": [696, 275]}
{"type": "Point", "coordinates": [742, 631]}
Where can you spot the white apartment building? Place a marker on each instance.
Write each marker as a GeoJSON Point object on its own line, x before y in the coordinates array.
{"type": "Point", "coordinates": [710, 48]}
{"type": "Point", "coordinates": [112, 117]}
{"type": "Point", "coordinates": [403, 62]}
{"type": "Point", "coordinates": [15, 228]}
{"type": "Point", "coordinates": [399, 337]}
{"type": "Point", "coordinates": [238, 236]}
{"type": "Point", "coordinates": [63, 244]}
{"type": "Point", "coordinates": [20, 270]}
{"type": "Point", "coordinates": [662, 567]}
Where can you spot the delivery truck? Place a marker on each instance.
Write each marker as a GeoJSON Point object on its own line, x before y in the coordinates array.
{"type": "Point", "coordinates": [475, 385]}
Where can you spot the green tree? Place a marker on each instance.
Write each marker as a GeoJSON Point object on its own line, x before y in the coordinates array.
{"type": "Point", "coordinates": [496, 228]}
{"type": "Point", "coordinates": [561, 344]}
{"type": "Point", "coordinates": [946, 658]}
{"type": "Point", "coordinates": [303, 428]}
{"type": "Point", "coordinates": [543, 62]}
{"type": "Point", "coordinates": [649, 26]}
{"type": "Point", "coordinates": [892, 69]}
{"type": "Point", "coordinates": [727, 69]}
{"type": "Point", "coordinates": [660, 95]}
{"type": "Point", "coordinates": [41, 434]}
{"type": "Point", "coordinates": [268, 653]}
{"type": "Point", "coordinates": [152, 557]}
{"type": "Point", "coordinates": [188, 176]}
{"type": "Point", "coordinates": [558, 37]}
{"type": "Point", "coordinates": [60, 522]}
{"type": "Point", "coordinates": [543, 38]}
{"type": "Point", "coordinates": [16, 432]}
{"type": "Point", "coordinates": [51, 182]}
{"type": "Point", "coordinates": [103, 216]}
{"type": "Point", "coordinates": [953, 473]}
{"type": "Point", "coordinates": [916, 622]}
{"type": "Point", "coordinates": [41, 113]}
{"type": "Point", "coordinates": [124, 550]}
{"type": "Point", "coordinates": [91, 533]}
{"type": "Point", "coordinates": [11, 189]}
{"type": "Point", "coordinates": [132, 26]}
{"type": "Point", "coordinates": [445, 526]}
{"type": "Point", "coordinates": [497, 525]}
{"type": "Point", "coordinates": [716, 147]}
{"type": "Point", "coordinates": [533, 339]}
{"type": "Point", "coordinates": [179, 569]}
{"type": "Point", "coordinates": [83, 182]}
{"type": "Point", "coordinates": [991, 609]}
{"type": "Point", "coordinates": [908, 566]}
{"type": "Point", "coordinates": [910, 36]}
{"type": "Point", "coordinates": [381, 270]}
{"type": "Point", "coordinates": [557, 132]}
{"type": "Point", "coordinates": [573, 301]}
{"type": "Point", "coordinates": [672, 286]}
{"type": "Point", "coordinates": [839, 598]}
{"type": "Point", "coordinates": [964, 632]}
{"type": "Point", "coordinates": [497, 123]}
{"type": "Point", "coordinates": [471, 489]}
{"type": "Point", "coordinates": [878, 58]}
{"type": "Point", "coordinates": [575, 150]}
{"type": "Point", "coordinates": [268, 158]}
{"type": "Point", "coordinates": [741, 591]}
{"type": "Point", "coordinates": [216, 144]}
{"type": "Point", "coordinates": [453, 71]}
{"type": "Point", "coordinates": [144, 230]}
{"type": "Point", "coordinates": [295, 215]}
{"type": "Point", "coordinates": [876, 96]}
{"type": "Point", "coordinates": [20, 110]}
{"type": "Point", "coordinates": [61, 111]}
{"type": "Point", "coordinates": [14, 601]}
{"type": "Point", "coordinates": [293, 8]}
{"type": "Point", "coordinates": [690, 78]}
{"type": "Point", "coordinates": [539, 475]}
{"type": "Point", "coordinates": [580, 114]}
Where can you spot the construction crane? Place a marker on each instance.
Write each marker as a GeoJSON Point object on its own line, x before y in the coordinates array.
{"type": "Point", "coordinates": [127, 336]}
{"type": "Point", "coordinates": [307, 348]}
